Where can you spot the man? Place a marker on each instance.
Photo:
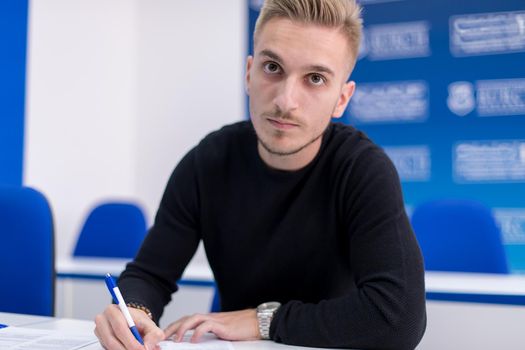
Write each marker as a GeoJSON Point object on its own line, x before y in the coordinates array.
{"type": "Point", "coordinates": [291, 208]}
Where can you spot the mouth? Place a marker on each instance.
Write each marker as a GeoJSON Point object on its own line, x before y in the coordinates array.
{"type": "Point", "coordinates": [282, 124]}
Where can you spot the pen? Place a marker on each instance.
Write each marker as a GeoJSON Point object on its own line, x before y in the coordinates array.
{"type": "Point", "coordinates": [2, 326]}
{"type": "Point", "coordinates": [119, 300]}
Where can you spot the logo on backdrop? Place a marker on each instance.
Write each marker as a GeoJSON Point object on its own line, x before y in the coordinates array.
{"type": "Point", "coordinates": [461, 100]}
{"type": "Point", "coordinates": [512, 224]}
{"type": "Point", "coordinates": [402, 101]}
{"type": "Point", "coordinates": [498, 97]}
{"type": "Point", "coordinates": [398, 40]}
{"type": "Point", "coordinates": [501, 97]}
{"type": "Point", "coordinates": [412, 163]}
{"type": "Point", "coordinates": [487, 33]}
{"type": "Point", "coordinates": [489, 161]}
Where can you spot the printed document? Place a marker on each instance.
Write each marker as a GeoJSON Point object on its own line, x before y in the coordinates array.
{"type": "Point", "coordinates": [20, 338]}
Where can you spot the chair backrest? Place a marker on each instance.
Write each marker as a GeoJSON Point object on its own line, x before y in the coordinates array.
{"type": "Point", "coordinates": [27, 253]}
{"type": "Point", "coordinates": [459, 235]}
{"type": "Point", "coordinates": [112, 230]}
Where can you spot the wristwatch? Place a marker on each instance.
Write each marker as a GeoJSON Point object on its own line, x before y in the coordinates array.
{"type": "Point", "coordinates": [265, 313]}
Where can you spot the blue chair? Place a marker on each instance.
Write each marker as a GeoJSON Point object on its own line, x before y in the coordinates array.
{"type": "Point", "coordinates": [112, 230]}
{"type": "Point", "coordinates": [460, 236]}
{"type": "Point", "coordinates": [27, 252]}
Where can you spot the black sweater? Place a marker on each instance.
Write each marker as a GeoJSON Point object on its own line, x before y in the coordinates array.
{"type": "Point", "coordinates": [331, 241]}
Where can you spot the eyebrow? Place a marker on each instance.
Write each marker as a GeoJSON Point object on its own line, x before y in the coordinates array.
{"type": "Point", "coordinates": [315, 67]}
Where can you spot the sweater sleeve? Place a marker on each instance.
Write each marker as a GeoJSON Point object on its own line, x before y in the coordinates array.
{"type": "Point", "coordinates": [386, 310]}
{"type": "Point", "coordinates": [150, 279]}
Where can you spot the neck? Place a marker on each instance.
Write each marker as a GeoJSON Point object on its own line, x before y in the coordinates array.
{"type": "Point", "coordinates": [290, 162]}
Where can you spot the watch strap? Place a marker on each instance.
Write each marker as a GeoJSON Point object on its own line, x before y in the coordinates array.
{"type": "Point", "coordinates": [265, 313]}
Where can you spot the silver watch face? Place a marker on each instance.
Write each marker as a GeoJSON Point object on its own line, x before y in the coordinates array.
{"type": "Point", "coordinates": [270, 306]}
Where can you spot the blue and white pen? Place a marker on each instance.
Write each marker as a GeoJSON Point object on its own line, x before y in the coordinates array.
{"type": "Point", "coordinates": [119, 300]}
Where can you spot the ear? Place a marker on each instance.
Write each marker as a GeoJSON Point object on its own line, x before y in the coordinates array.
{"type": "Point", "coordinates": [346, 94]}
{"type": "Point", "coordinates": [249, 63]}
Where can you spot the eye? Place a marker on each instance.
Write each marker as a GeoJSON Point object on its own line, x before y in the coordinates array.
{"type": "Point", "coordinates": [271, 68]}
{"type": "Point", "coordinates": [316, 79]}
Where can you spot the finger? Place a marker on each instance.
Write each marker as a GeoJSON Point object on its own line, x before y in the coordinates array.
{"type": "Point", "coordinates": [105, 334]}
{"type": "Point", "coordinates": [188, 324]}
{"type": "Point", "coordinates": [121, 329]}
{"type": "Point", "coordinates": [172, 328]}
{"type": "Point", "coordinates": [205, 327]}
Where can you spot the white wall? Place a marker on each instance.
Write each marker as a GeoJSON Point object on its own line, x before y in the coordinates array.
{"type": "Point", "coordinates": [190, 81]}
{"type": "Point", "coordinates": [118, 91]}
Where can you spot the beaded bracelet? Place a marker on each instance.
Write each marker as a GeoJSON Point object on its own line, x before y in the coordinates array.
{"type": "Point", "coordinates": [142, 308]}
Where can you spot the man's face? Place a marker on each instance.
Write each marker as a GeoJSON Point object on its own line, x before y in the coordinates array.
{"type": "Point", "coordinates": [296, 81]}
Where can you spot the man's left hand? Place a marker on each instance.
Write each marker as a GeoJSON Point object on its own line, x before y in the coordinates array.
{"type": "Point", "coordinates": [235, 325]}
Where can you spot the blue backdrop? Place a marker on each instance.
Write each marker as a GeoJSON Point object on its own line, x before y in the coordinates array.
{"type": "Point", "coordinates": [13, 33]}
{"type": "Point", "coordinates": [441, 87]}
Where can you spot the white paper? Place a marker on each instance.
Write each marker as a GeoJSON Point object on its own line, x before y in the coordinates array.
{"type": "Point", "coordinates": [19, 338]}
{"type": "Point", "coordinates": [207, 342]}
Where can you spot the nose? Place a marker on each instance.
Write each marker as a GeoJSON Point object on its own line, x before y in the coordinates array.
{"type": "Point", "coordinates": [286, 99]}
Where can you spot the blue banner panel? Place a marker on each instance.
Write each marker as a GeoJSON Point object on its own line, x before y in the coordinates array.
{"type": "Point", "coordinates": [441, 87]}
{"type": "Point", "coordinates": [13, 41]}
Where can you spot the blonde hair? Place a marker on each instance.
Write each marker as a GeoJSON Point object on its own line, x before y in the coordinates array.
{"type": "Point", "coordinates": [342, 14]}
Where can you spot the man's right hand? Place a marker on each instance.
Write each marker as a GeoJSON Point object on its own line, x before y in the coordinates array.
{"type": "Point", "coordinates": [114, 334]}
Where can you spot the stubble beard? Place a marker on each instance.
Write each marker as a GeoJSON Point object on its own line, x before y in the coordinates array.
{"type": "Point", "coordinates": [277, 152]}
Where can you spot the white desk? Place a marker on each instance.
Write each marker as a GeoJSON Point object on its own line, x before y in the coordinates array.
{"type": "Point", "coordinates": [465, 311]}
{"type": "Point", "coordinates": [447, 286]}
{"type": "Point", "coordinates": [475, 287]}
{"type": "Point", "coordinates": [82, 326]}
{"type": "Point", "coordinates": [485, 300]}
{"type": "Point", "coordinates": [474, 283]}
{"type": "Point", "coordinates": [96, 268]}
{"type": "Point", "coordinates": [451, 326]}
